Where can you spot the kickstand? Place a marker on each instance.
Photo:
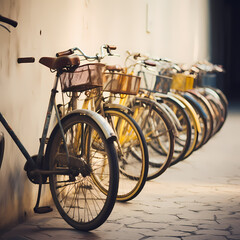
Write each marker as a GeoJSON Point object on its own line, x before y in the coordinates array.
{"type": "Point", "coordinates": [38, 209]}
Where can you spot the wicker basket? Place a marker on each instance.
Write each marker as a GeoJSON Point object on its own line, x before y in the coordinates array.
{"type": "Point", "coordinates": [154, 82]}
{"type": "Point", "coordinates": [182, 82]}
{"type": "Point", "coordinates": [84, 77]}
{"type": "Point", "coordinates": [162, 83]}
{"type": "Point", "coordinates": [121, 83]}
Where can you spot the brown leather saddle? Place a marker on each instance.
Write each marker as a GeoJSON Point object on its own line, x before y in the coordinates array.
{"type": "Point", "coordinates": [114, 68]}
{"type": "Point", "coordinates": [58, 63]}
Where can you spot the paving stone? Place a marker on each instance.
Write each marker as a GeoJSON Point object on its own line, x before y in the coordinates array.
{"type": "Point", "coordinates": [213, 232]}
{"type": "Point", "coordinates": [183, 228]}
{"type": "Point", "coordinates": [204, 237]}
{"type": "Point", "coordinates": [163, 238]}
{"type": "Point", "coordinates": [234, 237]}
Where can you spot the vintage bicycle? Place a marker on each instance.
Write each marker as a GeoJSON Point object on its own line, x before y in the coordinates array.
{"type": "Point", "coordinates": [80, 161]}
{"type": "Point", "coordinates": [131, 146]}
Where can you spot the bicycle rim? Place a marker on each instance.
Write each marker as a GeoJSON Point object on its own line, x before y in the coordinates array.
{"type": "Point", "coordinates": [85, 197]}
{"type": "Point", "coordinates": [158, 134]}
{"type": "Point", "coordinates": [132, 154]}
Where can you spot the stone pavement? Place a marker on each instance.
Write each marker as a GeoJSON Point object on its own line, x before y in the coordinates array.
{"type": "Point", "coordinates": [198, 198]}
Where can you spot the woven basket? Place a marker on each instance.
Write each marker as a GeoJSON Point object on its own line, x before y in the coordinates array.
{"type": "Point", "coordinates": [82, 78]}
{"type": "Point", "coordinates": [121, 83]}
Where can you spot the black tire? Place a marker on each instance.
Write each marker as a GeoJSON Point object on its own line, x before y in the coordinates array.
{"type": "Point", "coordinates": [158, 133]}
{"type": "Point", "coordinates": [223, 105]}
{"type": "Point", "coordinates": [208, 110]}
{"type": "Point", "coordinates": [217, 106]}
{"type": "Point", "coordinates": [202, 116]}
{"type": "Point", "coordinates": [86, 197]}
{"type": "Point", "coordinates": [183, 139]}
{"type": "Point", "coordinates": [132, 154]}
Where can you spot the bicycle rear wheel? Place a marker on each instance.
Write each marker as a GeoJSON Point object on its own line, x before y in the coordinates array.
{"type": "Point", "coordinates": [132, 154]}
{"type": "Point", "coordinates": [86, 194]}
{"type": "Point", "coordinates": [195, 125]}
{"type": "Point", "coordinates": [183, 139]}
{"type": "Point", "coordinates": [218, 107]}
{"type": "Point", "coordinates": [202, 117]}
{"type": "Point", "coordinates": [158, 133]}
{"type": "Point", "coordinates": [207, 109]}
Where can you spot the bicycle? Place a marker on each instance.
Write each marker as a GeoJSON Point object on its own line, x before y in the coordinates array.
{"type": "Point", "coordinates": [156, 87]}
{"type": "Point", "coordinates": [215, 97]}
{"type": "Point", "coordinates": [81, 167]}
{"type": "Point", "coordinates": [180, 85]}
{"type": "Point", "coordinates": [177, 86]}
{"type": "Point", "coordinates": [211, 100]}
{"type": "Point", "coordinates": [130, 144]}
{"type": "Point", "coordinates": [158, 128]}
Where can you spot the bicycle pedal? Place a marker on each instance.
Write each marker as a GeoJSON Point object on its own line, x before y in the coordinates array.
{"type": "Point", "coordinates": [41, 210]}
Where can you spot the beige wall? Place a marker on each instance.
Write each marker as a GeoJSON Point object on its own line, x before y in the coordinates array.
{"type": "Point", "coordinates": [177, 29]}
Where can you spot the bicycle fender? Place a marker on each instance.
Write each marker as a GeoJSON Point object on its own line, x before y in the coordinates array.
{"type": "Point", "coordinates": [211, 92]}
{"type": "Point", "coordinates": [174, 99]}
{"type": "Point", "coordinates": [102, 122]}
{"type": "Point", "coordinates": [174, 117]}
{"type": "Point", "coordinates": [2, 144]}
{"type": "Point", "coordinates": [162, 110]}
{"type": "Point", "coordinates": [190, 108]}
{"type": "Point", "coordinates": [118, 106]}
{"type": "Point", "coordinates": [195, 103]}
{"type": "Point", "coordinates": [97, 118]}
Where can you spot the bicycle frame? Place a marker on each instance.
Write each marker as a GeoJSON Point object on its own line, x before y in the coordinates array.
{"type": "Point", "coordinates": [29, 159]}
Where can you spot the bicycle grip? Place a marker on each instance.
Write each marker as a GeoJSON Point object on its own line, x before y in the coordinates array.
{"type": "Point", "coordinates": [111, 47]}
{"type": "Point", "coordinates": [149, 63]}
{"type": "Point", "coordinates": [63, 53]}
{"type": "Point", "coordinates": [8, 21]}
{"type": "Point", "coordinates": [26, 60]}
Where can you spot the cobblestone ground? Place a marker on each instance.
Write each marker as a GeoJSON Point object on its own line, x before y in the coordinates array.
{"type": "Point", "coordinates": [196, 199]}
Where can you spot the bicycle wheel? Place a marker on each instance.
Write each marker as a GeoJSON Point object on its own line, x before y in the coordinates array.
{"type": "Point", "coordinates": [218, 105]}
{"type": "Point", "coordinates": [86, 194]}
{"type": "Point", "coordinates": [195, 125]}
{"type": "Point", "coordinates": [158, 133]}
{"type": "Point", "coordinates": [223, 100]}
{"type": "Point", "coordinates": [132, 154]}
{"type": "Point", "coordinates": [183, 139]}
{"type": "Point", "coordinates": [208, 110]}
{"type": "Point", "coordinates": [202, 117]}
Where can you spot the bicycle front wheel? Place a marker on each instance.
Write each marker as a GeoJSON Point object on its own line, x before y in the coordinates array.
{"type": "Point", "coordinates": [86, 192]}
{"type": "Point", "coordinates": [183, 138]}
{"type": "Point", "coordinates": [132, 154]}
{"type": "Point", "coordinates": [158, 133]}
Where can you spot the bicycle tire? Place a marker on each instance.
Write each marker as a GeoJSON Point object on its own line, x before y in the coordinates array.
{"type": "Point", "coordinates": [133, 155]}
{"type": "Point", "coordinates": [223, 100]}
{"type": "Point", "coordinates": [183, 139]}
{"type": "Point", "coordinates": [222, 103]}
{"type": "Point", "coordinates": [86, 197]}
{"type": "Point", "coordinates": [202, 117]}
{"type": "Point", "coordinates": [194, 125]}
{"type": "Point", "coordinates": [217, 106]}
{"type": "Point", "coordinates": [208, 110]}
{"type": "Point", "coordinates": [158, 133]}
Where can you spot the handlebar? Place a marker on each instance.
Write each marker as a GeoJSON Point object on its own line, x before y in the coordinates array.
{"type": "Point", "coordinates": [97, 57]}
{"type": "Point", "coordinates": [8, 21]}
{"type": "Point", "coordinates": [64, 53]}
